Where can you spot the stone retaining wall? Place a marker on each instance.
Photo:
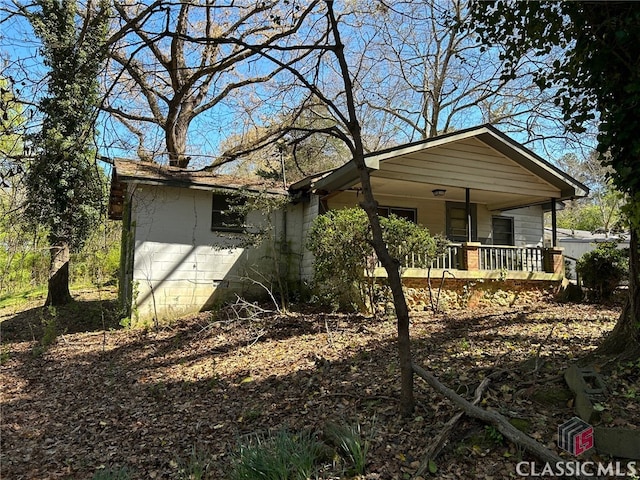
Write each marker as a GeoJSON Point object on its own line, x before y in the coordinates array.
{"type": "Point", "coordinates": [463, 293]}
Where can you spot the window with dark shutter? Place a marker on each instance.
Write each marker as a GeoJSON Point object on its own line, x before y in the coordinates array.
{"type": "Point", "coordinates": [227, 214]}
{"type": "Point", "coordinates": [457, 222]}
{"type": "Point", "coordinates": [503, 230]}
{"type": "Point", "coordinates": [406, 213]}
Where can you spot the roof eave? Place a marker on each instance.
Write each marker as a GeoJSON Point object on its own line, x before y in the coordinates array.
{"type": "Point", "coordinates": [192, 185]}
{"type": "Point", "coordinates": [347, 175]}
{"type": "Point", "coordinates": [344, 177]}
{"type": "Point", "coordinates": [569, 186]}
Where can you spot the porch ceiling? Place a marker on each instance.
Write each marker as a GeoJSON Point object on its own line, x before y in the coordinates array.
{"type": "Point", "coordinates": [423, 190]}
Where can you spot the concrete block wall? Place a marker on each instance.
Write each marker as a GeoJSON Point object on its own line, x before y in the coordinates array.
{"type": "Point", "coordinates": [180, 265]}
{"type": "Point", "coordinates": [311, 210]}
{"type": "Point", "coordinates": [296, 238]}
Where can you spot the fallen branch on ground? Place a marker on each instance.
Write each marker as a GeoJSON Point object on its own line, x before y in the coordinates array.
{"type": "Point", "coordinates": [493, 418]}
{"type": "Point", "coordinates": [243, 311]}
{"type": "Point", "coordinates": [266, 289]}
{"type": "Point", "coordinates": [440, 441]}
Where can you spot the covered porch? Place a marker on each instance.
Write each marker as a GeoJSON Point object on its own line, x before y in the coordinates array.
{"type": "Point", "coordinates": [484, 192]}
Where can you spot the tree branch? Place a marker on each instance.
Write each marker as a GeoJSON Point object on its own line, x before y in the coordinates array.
{"type": "Point", "coordinates": [493, 418]}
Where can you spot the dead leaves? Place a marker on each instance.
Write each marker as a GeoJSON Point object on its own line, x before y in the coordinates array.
{"type": "Point", "coordinates": [144, 399]}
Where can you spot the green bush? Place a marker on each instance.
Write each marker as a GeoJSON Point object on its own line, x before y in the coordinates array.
{"type": "Point", "coordinates": [340, 241]}
{"type": "Point", "coordinates": [602, 269]}
{"type": "Point", "coordinates": [98, 261]}
{"type": "Point", "coordinates": [24, 258]}
{"type": "Point", "coordinates": [23, 264]}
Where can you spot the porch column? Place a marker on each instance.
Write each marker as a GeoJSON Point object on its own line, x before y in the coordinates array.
{"type": "Point", "coordinates": [471, 256]}
{"type": "Point", "coordinates": [467, 206]}
{"type": "Point", "coordinates": [554, 224]}
{"type": "Point", "coordinates": [554, 260]}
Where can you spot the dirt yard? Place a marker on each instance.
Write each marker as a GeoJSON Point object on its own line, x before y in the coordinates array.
{"type": "Point", "coordinates": [101, 396]}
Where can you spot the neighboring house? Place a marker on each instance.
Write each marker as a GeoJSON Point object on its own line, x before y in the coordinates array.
{"type": "Point", "coordinates": [482, 190]}
{"type": "Point", "coordinates": [575, 243]}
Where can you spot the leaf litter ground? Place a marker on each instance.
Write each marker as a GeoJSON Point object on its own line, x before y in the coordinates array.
{"type": "Point", "coordinates": [102, 397]}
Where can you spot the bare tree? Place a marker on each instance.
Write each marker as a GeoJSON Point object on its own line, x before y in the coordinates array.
{"type": "Point", "coordinates": [302, 150]}
{"type": "Point", "coordinates": [172, 62]}
{"type": "Point", "coordinates": [428, 75]}
{"type": "Point", "coordinates": [307, 73]}
{"type": "Point", "coordinates": [353, 135]}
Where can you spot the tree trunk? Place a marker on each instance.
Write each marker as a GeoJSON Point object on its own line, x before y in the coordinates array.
{"type": "Point", "coordinates": [58, 287]}
{"type": "Point", "coordinates": [177, 128]}
{"type": "Point", "coordinates": [176, 148]}
{"type": "Point", "coordinates": [370, 206]}
{"type": "Point", "coordinates": [392, 267]}
{"type": "Point", "coordinates": [624, 339]}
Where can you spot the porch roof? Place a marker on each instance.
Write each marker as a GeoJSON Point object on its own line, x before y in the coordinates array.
{"type": "Point", "coordinates": [499, 171]}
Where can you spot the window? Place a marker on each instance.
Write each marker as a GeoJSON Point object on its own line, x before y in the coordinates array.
{"type": "Point", "coordinates": [502, 230]}
{"type": "Point", "coordinates": [226, 214]}
{"type": "Point", "coordinates": [457, 222]}
{"type": "Point", "coordinates": [406, 213]}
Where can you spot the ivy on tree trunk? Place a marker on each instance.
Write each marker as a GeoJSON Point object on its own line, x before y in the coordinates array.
{"type": "Point", "coordinates": [596, 75]}
{"type": "Point", "coordinates": [625, 337]}
{"type": "Point", "coordinates": [64, 190]}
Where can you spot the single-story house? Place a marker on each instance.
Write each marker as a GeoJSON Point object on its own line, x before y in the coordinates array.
{"type": "Point", "coordinates": [481, 189]}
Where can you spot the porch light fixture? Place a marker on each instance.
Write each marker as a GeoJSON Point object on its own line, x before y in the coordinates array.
{"type": "Point", "coordinates": [438, 192]}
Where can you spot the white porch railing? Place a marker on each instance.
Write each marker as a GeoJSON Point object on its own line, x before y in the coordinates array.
{"type": "Point", "coordinates": [521, 259]}
{"type": "Point", "coordinates": [490, 257]}
{"type": "Point", "coordinates": [449, 260]}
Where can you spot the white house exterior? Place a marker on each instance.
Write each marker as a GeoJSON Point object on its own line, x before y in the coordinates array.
{"type": "Point", "coordinates": [479, 188]}
{"type": "Point", "coordinates": [175, 261]}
